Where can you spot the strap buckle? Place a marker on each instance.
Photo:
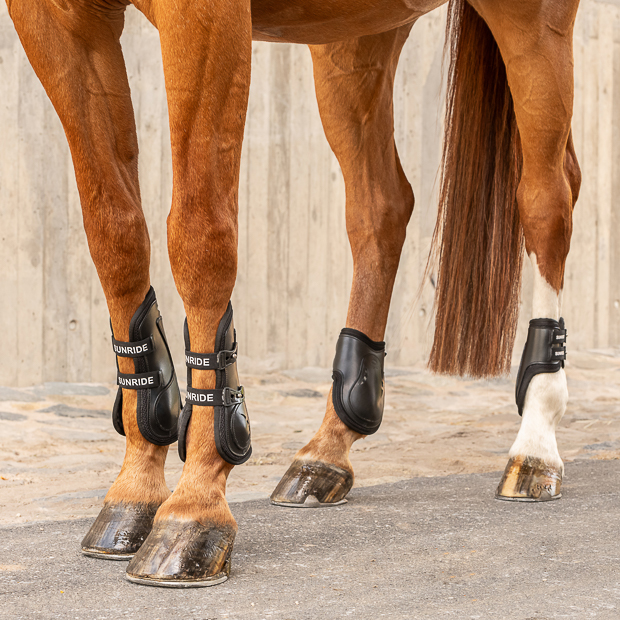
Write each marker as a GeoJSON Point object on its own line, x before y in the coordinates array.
{"type": "Point", "coordinates": [227, 358]}
{"type": "Point", "coordinates": [233, 397]}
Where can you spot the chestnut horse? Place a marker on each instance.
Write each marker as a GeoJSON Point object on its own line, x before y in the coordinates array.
{"type": "Point", "coordinates": [509, 178]}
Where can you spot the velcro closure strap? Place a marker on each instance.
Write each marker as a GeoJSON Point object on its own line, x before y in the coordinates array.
{"type": "Point", "coordinates": [141, 381]}
{"type": "Point", "coordinates": [559, 336]}
{"type": "Point", "coordinates": [133, 349]}
{"type": "Point", "coordinates": [558, 344]}
{"type": "Point", "coordinates": [211, 361]}
{"type": "Point", "coordinates": [558, 353]}
{"type": "Point", "coordinates": [215, 398]}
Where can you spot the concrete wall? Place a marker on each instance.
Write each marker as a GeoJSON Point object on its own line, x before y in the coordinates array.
{"type": "Point", "coordinates": [294, 262]}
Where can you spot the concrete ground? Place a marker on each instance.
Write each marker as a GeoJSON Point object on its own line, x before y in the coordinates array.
{"type": "Point", "coordinates": [423, 548]}
{"type": "Point", "coordinates": [422, 536]}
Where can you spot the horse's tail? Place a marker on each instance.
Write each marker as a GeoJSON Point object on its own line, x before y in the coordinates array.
{"type": "Point", "coordinates": [478, 240]}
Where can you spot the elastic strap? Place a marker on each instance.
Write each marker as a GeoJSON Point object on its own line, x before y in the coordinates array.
{"type": "Point", "coordinates": [140, 381]}
{"type": "Point", "coordinates": [559, 336]}
{"type": "Point", "coordinates": [559, 353]}
{"type": "Point", "coordinates": [224, 397]}
{"type": "Point", "coordinates": [211, 361]}
{"type": "Point", "coordinates": [133, 349]}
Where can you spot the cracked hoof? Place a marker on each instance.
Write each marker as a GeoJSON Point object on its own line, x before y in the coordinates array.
{"type": "Point", "coordinates": [183, 554]}
{"type": "Point", "coordinates": [529, 479]}
{"type": "Point", "coordinates": [119, 531]}
{"type": "Point", "coordinates": [312, 484]}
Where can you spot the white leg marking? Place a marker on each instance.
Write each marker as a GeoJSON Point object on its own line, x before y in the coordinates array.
{"type": "Point", "coordinates": [546, 302]}
{"type": "Point", "coordinates": [547, 394]}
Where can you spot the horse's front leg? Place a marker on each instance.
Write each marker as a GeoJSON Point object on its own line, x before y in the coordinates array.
{"type": "Point", "coordinates": [77, 56]}
{"type": "Point", "coordinates": [537, 49]}
{"type": "Point", "coordinates": [354, 83]}
{"type": "Point", "coordinates": [206, 50]}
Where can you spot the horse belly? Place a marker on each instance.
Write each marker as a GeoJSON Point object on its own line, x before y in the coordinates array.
{"type": "Point", "coordinates": [327, 21]}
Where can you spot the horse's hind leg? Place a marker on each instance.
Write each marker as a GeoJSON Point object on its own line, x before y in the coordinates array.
{"type": "Point", "coordinates": [536, 46]}
{"type": "Point", "coordinates": [354, 83]}
{"type": "Point", "coordinates": [206, 48]}
{"type": "Point", "coordinates": [77, 56]}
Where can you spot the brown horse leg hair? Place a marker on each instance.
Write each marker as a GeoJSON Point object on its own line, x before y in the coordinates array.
{"type": "Point", "coordinates": [77, 56]}
{"type": "Point", "coordinates": [537, 52]}
{"type": "Point", "coordinates": [539, 67]}
{"type": "Point", "coordinates": [207, 107]}
{"type": "Point", "coordinates": [354, 84]}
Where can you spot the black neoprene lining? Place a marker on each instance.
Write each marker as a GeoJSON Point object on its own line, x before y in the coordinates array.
{"type": "Point", "coordinates": [376, 346]}
{"type": "Point", "coordinates": [338, 379]}
{"type": "Point", "coordinates": [117, 413]}
{"type": "Point", "coordinates": [140, 365]}
{"type": "Point", "coordinates": [546, 323]}
{"type": "Point", "coordinates": [220, 343]}
{"type": "Point", "coordinates": [137, 318]}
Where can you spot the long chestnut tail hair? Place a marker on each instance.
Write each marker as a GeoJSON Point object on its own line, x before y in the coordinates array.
{"type": "Point", "coordinates": [478, 239]}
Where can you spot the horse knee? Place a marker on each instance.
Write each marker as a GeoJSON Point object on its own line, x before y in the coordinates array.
{"type": "Point", "coordinates": [119, 244]}
{"type": "Point", "coordinates": [203, 255]}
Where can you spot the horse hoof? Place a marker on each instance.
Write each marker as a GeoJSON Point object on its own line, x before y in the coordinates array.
{"type": "Point", "coordinates": [183, 554]}
{"type": "Point", "coordinates": [312, 484]}
{"type": "Point", "coordinates": [119, 530]}
{"type": "Point", "coordinates": [529, 479]}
